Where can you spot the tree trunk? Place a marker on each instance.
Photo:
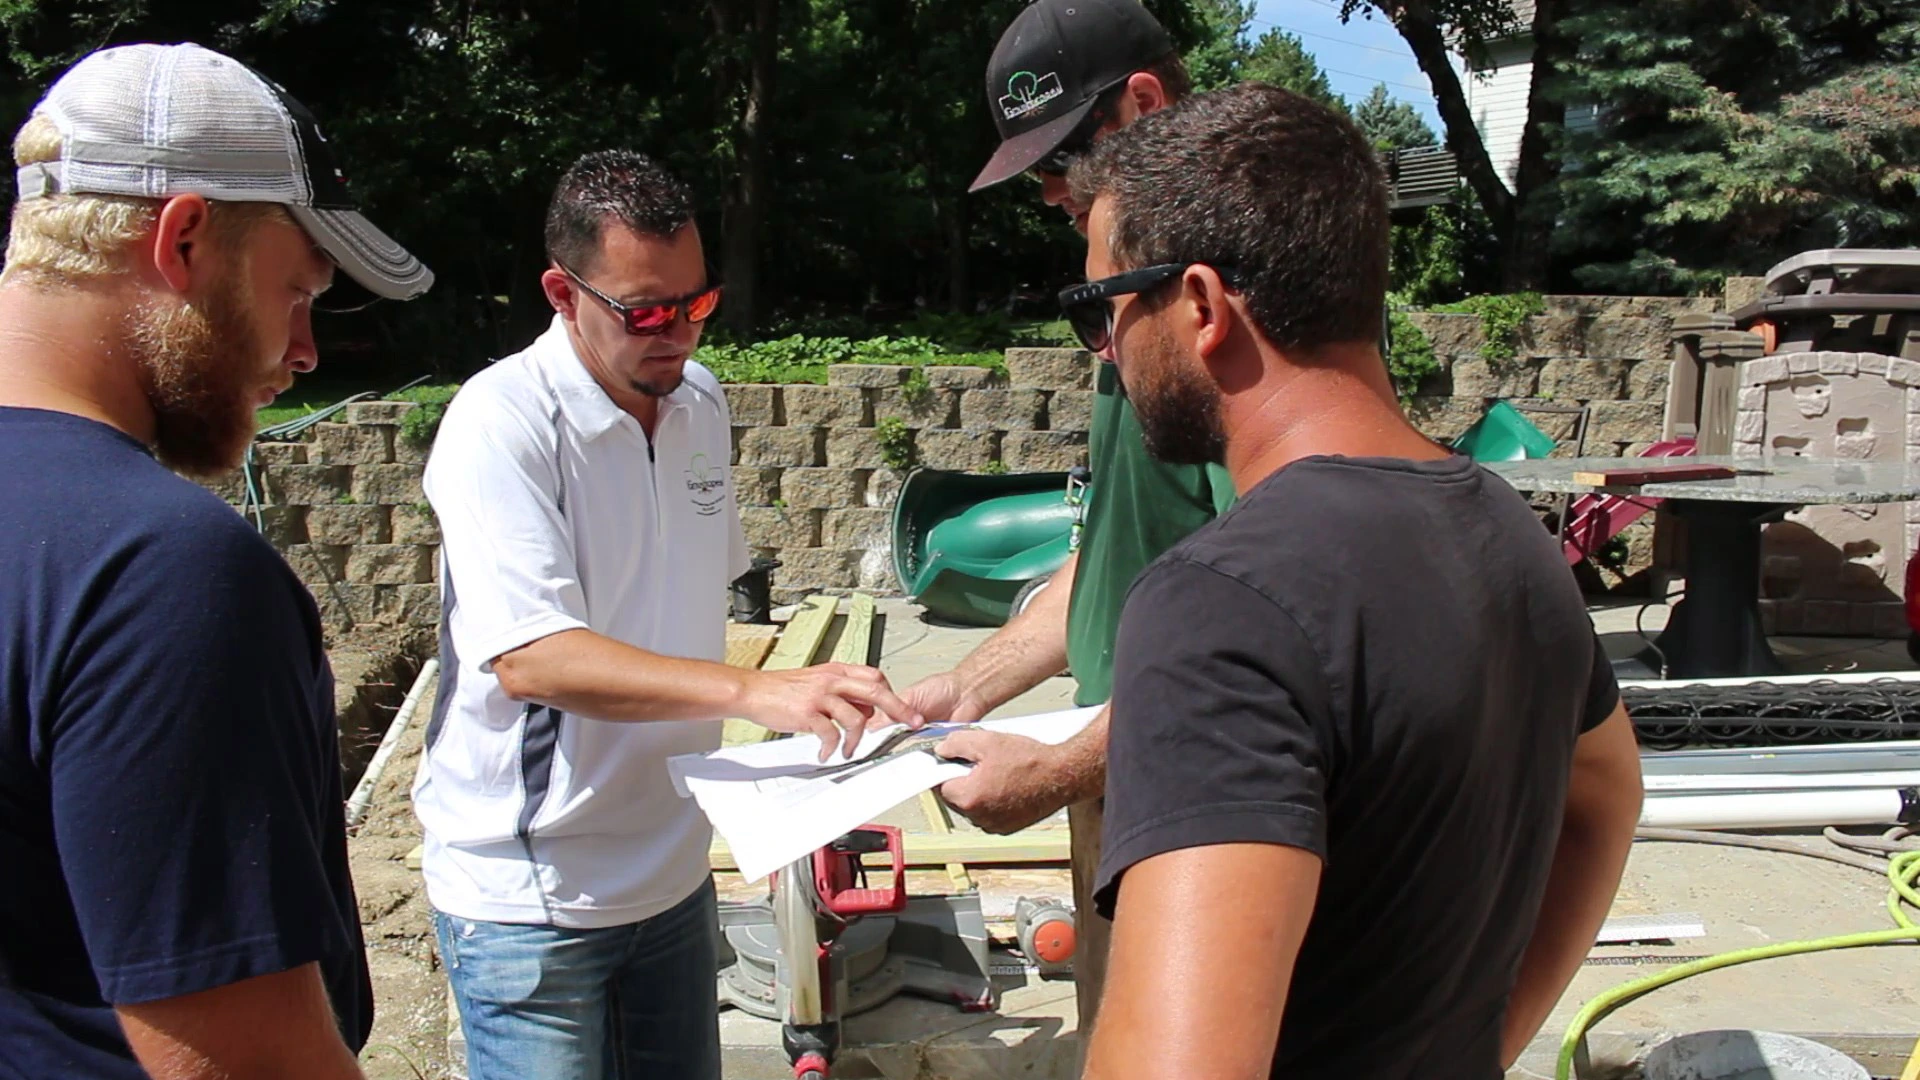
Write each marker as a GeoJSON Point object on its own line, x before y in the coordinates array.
{"type": "Point", "coordinates": [744, 211]}
{"type": "Point", "coordinates": [959, 274]}
{"type": "Point", "coordinates": [1525, 260]}
{"type": "Point", "coordinates": [1424, 37]}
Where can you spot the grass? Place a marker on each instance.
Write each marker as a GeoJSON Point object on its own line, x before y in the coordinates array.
{"type": "Point", "coordinates": [1045, 332]}
{"type": "Point", "coordinates": [311, 393]}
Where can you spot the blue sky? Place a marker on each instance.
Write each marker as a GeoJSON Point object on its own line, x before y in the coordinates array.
{"type": "Point", "coordinates": [1355, 55]}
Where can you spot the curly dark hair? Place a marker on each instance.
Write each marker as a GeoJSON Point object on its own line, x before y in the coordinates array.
{"type": "Point", "coordinates": [623, 185]}
{"type": "Point", "coordinates": [1273, 184]}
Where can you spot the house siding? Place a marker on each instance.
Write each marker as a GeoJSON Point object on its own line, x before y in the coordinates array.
{"type": "Point", "coordinates": [1497, 97]}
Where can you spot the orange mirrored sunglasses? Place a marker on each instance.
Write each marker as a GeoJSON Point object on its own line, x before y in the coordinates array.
{"type": "Point", "coordinates": [645, 320]}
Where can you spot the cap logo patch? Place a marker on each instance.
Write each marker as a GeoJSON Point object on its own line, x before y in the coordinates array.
{"type": "Point", "coordinates": [1027, 92]}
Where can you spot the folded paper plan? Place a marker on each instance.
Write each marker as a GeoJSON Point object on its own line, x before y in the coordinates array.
{"type": "Point", "coordinates": [776, 801]}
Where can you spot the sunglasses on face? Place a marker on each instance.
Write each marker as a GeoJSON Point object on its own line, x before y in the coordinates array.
{"type": "Point", "coordinates": [1089, 307]}
{"type": "Point", "coordinates": [1078, 141]}
{"type": "Point", "coordinates": [646, 320]}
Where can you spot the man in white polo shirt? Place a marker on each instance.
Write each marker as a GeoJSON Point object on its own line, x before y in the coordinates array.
{"type": "Point", "coordinates": [589, 534]}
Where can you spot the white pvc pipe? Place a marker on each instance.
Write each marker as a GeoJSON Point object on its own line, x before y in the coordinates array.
{"type": "Point", "coordinates": [1784, 781]}
{"type": "Point", "coordinates": [1788, 750]}
{"type": "Point", "coordinates": [1818, 765]}
{"type": "Point", "coordinates": [1787, 810]}
{"type": "Point", "coordinates": [363, 791]}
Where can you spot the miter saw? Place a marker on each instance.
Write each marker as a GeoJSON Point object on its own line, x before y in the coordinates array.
{"type": "Point", "coordinates": [825, 945]}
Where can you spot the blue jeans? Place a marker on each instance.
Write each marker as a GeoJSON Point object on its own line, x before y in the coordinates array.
{"type": "Point", "coordinates": [619, 1003]}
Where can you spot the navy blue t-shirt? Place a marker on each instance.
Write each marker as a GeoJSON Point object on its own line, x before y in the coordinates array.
{"type": "Point", "coordinates": [171, 817]}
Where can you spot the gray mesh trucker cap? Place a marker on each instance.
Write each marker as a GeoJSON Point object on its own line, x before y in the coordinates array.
{"type": "Point", "coordinates": [153, 121]}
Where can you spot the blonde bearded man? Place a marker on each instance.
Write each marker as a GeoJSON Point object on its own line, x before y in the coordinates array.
{"type": "Point", "coordinates": [170, 806]}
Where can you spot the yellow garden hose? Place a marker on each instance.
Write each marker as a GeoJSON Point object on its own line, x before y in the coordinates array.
{"type": "Point", "coordinates": [1903, 871]}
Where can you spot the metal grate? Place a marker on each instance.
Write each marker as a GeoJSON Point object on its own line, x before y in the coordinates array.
{"type": "Point", "coordinates": [1773, 714]}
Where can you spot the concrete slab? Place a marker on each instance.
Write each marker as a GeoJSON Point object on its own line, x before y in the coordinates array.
{"type": "Point", "coordinates": [909, 1039]}
{"type": "Point", "coordinates": [1863, 1001]}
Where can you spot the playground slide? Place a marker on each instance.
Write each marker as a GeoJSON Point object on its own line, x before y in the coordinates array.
{"type": "Point", "coordinates": [1594, 519]}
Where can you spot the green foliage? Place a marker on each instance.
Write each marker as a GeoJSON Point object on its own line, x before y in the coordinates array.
{"type": "Point", "coordinates": [799, 358]}
{"type": "Point", "coordinates": [419, 426]}
{"type": "Point", "coordinates": [917, 388]}
{"type": "Point", "coordinates": [1228, 54]}
{"type": "Point", "coordinates": [1392, 124]}
{"type": "Point", "coordinates": [1281, 59]}
{"type": "Point", "coordinates": [1449, 253]}
{"type": "Point", "coordinates": [1410, 358]}
{"type": "Point", "coordinates": [1474, 22]}
{"type": "Point", "coordinates": [1502, 317]}
{"type": "Point", "coordinates": [996, 467]}
{"type": "Point", "coordinates": [896, 442]}
{"type": "Point", "coordinates": [454, 120]}
{"type": "Point", "coordinates": [1737, 133]}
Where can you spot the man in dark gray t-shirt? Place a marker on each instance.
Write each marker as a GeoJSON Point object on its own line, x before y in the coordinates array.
{"type": "Point", "coordinates": [1361, 723]}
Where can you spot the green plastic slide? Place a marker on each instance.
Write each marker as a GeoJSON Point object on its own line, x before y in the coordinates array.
{"type": "Point", "coordinates": [965, 545]}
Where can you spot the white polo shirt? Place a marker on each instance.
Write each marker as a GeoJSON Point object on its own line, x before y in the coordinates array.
{"type": "Point", "coordinates": [556, 513]}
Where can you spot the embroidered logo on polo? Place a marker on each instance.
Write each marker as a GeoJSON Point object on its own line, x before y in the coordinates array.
{"type": "Point", "coordinates": [706, 486]}
{"type": "Point", "coordinates": [1027, 92]}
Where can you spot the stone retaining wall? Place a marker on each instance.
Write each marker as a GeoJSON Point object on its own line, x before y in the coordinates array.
{"type": "Point", "coordinates": [1610, 353]}
{"type": "Point", "coordinates": [811, 463]}
{"type": "Point", "coordinates": [345, 508]}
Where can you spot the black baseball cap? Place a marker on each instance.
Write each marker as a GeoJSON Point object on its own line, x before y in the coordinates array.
{"type": "Point", "coordinates": [1050, 68]}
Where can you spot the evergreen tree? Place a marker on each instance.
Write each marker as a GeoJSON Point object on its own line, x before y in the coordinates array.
{"type": "Point", "coordinates": [1735, 133]}
{"type": "Point", "coordinates": [1280, 59]}
{"type": "Point", "coordinates": [1226, 53]}
{"type": "Point", "coordinates": [1391, 124]}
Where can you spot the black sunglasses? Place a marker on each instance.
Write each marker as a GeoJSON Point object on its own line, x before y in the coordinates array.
{"type": "Point", "coordinates": [646, 320]}
{"type": "Point", "coordinates": [1057, 161]}
{"type": "Point", "coordinates": [1089, 307]}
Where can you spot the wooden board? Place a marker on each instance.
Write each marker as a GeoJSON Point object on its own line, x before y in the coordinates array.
{"type": "Point", "coordinates": [747, 646]}
{"type": "Point", "coordinates": [940, 824]}
{"type": "Point", "coordinates": [1650, 474]}
{"type": "Point", "coordinates": [804, 632]}
{"type": "Point", "coordinates": [936, 850]}
{"type": "Point", "coordinates": [856, 637]}
{"type": "Point", "coordinates": [796, 648]}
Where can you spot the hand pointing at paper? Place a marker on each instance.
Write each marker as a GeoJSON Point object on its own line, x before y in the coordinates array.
{"type": "Point", "coordinates": [836, 702]}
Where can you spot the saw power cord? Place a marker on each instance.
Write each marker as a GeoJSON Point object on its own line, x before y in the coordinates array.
{"type": "Point", "coordinates": [1903, 875]}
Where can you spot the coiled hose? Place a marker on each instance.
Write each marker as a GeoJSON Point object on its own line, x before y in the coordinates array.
{"type": "Point", "coordinates": [1903, 875]}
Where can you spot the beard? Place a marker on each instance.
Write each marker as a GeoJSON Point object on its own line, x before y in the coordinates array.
{"type": "Point", "coordinates": [1178, 406]}
{"type": "Point", "coordinates": [658, 387]}
{"type": "Point", "coordinates": [197, 362]}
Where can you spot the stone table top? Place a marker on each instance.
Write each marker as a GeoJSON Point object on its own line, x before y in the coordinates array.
{"type": "Point", "coordinates": [1779, 480]}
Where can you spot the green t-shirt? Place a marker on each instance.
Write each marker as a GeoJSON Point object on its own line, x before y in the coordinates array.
{"type": "Point", "coordinates": [1137, 508]}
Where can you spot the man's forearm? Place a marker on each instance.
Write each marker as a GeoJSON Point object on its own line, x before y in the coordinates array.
{"type": "Point", "coordinates": [1083, 762]}
{"type": "Point", "coordinates": [1028, 650]}
{"type": "Point", "coordinates": [587, 674]}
